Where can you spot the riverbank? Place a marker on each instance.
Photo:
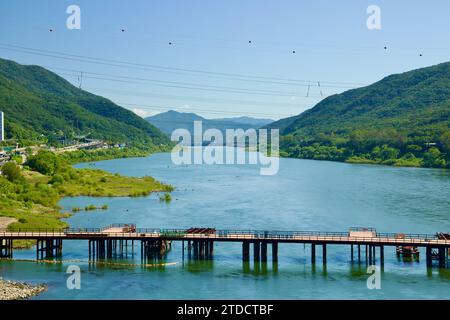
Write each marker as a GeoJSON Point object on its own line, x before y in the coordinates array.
{"type": "Point", "coordinates": [30, 196]}
{"type": "Point", "coordinates": [5, 222]}
{"type": "Point", "coordinates": [10, 290]}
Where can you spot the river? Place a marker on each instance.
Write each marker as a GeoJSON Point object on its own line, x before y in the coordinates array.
{"type": "Point", "coordinates": [304, 195]}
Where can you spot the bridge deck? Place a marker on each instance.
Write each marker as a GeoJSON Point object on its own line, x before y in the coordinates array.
{"type": "Point", "coordinates": [389, 239]}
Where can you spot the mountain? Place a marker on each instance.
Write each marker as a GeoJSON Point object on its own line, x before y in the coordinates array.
{"type": "Point", "coordinates": [255, 122]}
{"type": "Point", "coordinates": [171, 120]}
{"type": "Point", "coordinates": [404, 119]}
{"type": "Point", "coordinates": [38, 103]}
{"type": "Point", "coordinates": [168, 121]}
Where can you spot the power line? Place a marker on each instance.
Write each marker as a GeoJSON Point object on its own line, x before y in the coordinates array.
{"type": "Point", "coordinates": [153, 107]}
{"type": "Point", "coordinates": [202, 88]}
{"type": "Point", "coordinates": [119, 63]}
{"type": "Point", "coordinates": [183, 85]}
{"type": "Point", "coordinates": [190, 98]}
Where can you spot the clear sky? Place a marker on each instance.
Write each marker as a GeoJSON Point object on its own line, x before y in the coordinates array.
{"type": "Point", "coordinates": [210, 67]}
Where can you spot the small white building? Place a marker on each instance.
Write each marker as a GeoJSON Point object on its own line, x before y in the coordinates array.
{"type": "Point", "coordinates": [2, 126]}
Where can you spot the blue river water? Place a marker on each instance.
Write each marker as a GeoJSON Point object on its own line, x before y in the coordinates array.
{"type": "Point", "coordinates": [304, 195]}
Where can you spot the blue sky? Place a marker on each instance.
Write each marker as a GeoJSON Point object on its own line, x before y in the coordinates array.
{"type": "Point", "coordinates": [331, 42]}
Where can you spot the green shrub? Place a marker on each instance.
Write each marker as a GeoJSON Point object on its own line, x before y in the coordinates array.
{"type": "Point", "coordinates": [166, 198]}
{"type": "Point", "coordinates": [12, 172]}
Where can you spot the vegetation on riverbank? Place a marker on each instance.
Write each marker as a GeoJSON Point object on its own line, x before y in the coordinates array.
{"type": "Point", "coordinates": [31, 194]}
{"type": "Point", "coordinates": [402, 120]}
{"type": "Point", "coordinates": [386, 147]}
{"type": "Point", "coordinates": [80, 156]}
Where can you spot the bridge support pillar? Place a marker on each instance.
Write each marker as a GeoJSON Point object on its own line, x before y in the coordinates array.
{"type": "Point", "coordinates": [256, 251]}
{"type": "Point", "coordinates": [359, 253]}
{"type": "Point", "coordinates": [370, 254]}
{"type": "Point", "coordinates": [211, 249]}
{"type": "Point", "coordinates": [154, 249]}
{"type": "Point", "coordinates": [429, 257]}
{"type": "Point", "coordinates": [48, 248]}
{"type": "Point", "coordinates": [324, 253]}
{"type": "Point", "coordinates": [189, 248]}
{"type": "Point", "coordinates": [351, 252]}
{"type": "Point", "coordinates": [274, 251]}
{"type": "Point", "coordinates": [195, 248]}
{"type": "Point", "coordinates": [263, 251]}
{"type": "Point", "coordinates": [382, 255]}
{"type": "Point", "coordinates": [6, 248]}
{"type": "Point", "coordinates": [367, 253]}
{"type": "Point", "coordinates": [442, 257]}
{"type": "Point", "coordinates": [313, 253]}
{"type": "Point", "coordinates": [245, 251]}
{"type": "Point", "coordinates": [201, 250]}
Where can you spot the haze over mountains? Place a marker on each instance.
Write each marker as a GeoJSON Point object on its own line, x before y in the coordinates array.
{"type": "Point", "coordinates": [172, 120]}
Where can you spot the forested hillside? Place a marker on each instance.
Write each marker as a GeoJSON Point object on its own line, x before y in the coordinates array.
{"type": "Point", "coordinates": [41, 106]}
{"type": "Point", "coordinates": [403, 119]}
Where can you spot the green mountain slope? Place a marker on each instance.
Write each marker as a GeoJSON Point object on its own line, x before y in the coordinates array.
{"type": "Point", "coordinates": [39, 104]}
{"type": "Point", "coordinates": [403, 119]}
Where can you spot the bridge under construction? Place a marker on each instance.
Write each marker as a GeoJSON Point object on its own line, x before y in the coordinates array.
{"type": "Point", "coordinates": [198, 243]}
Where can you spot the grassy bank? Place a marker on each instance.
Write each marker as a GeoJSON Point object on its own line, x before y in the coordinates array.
{"type": "Point", "coordinates": [80, 156]}
{"type": "Point", "coordinates": [31, 194]}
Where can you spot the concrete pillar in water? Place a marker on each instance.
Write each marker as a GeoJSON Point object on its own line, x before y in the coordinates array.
{"type": "Point", "coordinates": [189, 248]}
{"type": "Point", "coordinates": [367, 253]}
{"type": "Point", "coordinates": [202, 249]}
{"type": "Point", "coordinates": [195, 245]}
{"type": "Point", "coordinates": [441, 255]}
{"type": "Point", "coordinates": [313, 253]}
{"type": "Point", "coordinates": [211, 249]}
{"type": "Point", "coordinates": [274, 251]}
{"type": "Point", "coordinates": [256, 251]}
{"type": "Point", "coordinates": [245, 251]}
{"type": "Point", "coordinates": [264, 251]}
{"type": "Point", "coordinates": [429, 258]}
{"type": "Point", "coordinates": [324, 253]}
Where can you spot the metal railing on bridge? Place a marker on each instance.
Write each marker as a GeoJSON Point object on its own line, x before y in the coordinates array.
{"type": "Point", "coordinates": [220, 234]}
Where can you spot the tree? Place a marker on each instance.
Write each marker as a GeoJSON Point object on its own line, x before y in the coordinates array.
{"type": "Point", "coordinates": [12, 172]}
{"type": "Point", "coordinates": [46, 162]}
{"type": "Point", "coordinates": [432, 158]}
{"type": "Point", "coordinates": [445, 141]}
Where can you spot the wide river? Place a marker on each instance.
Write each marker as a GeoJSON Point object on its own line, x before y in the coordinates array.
{"type": "Point", "coordinates": [304, 195]}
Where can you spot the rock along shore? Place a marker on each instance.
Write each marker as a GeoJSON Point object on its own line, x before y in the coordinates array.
{"type": "Point", "coordinates": [10, 290]}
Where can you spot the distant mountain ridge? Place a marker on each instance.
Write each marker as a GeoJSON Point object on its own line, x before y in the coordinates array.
{"type": "Point", "coordinates": [38, 103]}
{"type": "Point", "coordinates": [172, 120]}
